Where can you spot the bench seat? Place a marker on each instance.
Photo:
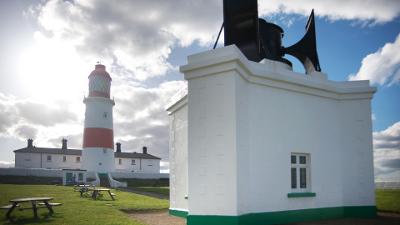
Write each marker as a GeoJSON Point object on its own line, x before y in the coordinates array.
{"type": "Point", "coordinates": [50, 203]}
{"type": "Point", "coordinates": [7, 206]}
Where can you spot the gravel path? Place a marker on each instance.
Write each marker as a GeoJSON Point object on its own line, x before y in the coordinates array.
{"type": "Point", "coordinates": [157, 217]}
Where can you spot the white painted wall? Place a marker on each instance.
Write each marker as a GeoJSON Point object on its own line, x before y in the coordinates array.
{"type": "Point", "coordinates": [139, 166]}
{"type": "Point", "coordinates": [246, 118]}
{"type": "Point", "coordinates": [178, 156]}
{"type": "Point", "coordinates": [96, 107]}
{"type": "Point", "coordinates": [39, 160]}
{"type": "Point", "coordinates": [98, 159]}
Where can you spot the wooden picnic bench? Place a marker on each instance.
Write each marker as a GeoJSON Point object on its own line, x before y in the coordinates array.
{"type": "Point", "coordinates": [36, 203]}
{"type": "Point", "coordinates": [96, 192]}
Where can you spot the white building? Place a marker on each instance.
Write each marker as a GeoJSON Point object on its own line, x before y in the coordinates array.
{"type": "Point", "coordinates": [256, 143]}
{"type": "Point", "coordinates": [65, 158]}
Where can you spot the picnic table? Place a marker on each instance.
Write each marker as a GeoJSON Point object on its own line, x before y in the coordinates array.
{"type": "Point", "coordinates": [82, 188]}
{"type": "Point", "coordinates": [96, 192]}
{"type": "Point", "coordinates": [36, 202]}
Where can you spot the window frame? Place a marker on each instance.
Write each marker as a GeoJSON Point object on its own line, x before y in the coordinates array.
{"type": "Point", "coordinates": [78, 159]}
{"type": "Point", "coordinates": [64, 158]}
{"type": "Point", "coordinates": [298, 166]}
{"type": "Point", "coordinates": [49, 158]}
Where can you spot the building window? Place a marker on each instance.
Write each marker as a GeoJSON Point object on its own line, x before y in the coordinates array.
{"type": "Point", "coordinates": [105, 115]}
{"type": "Point", "coordinates": [49, 158]}
{"type": "Point", "coordinates": [300, 172]}
{"type": "Point", "coordinates": [104, 150]}
{"type": "Point", "coordinates": [78, 159]}
{"type": "Point", "coordinates": [64, 158]}
{"type": "Point", "coordinates": [80, 176]}
{"type": "Point", "coordinates": [119, 161]}
{"type": "Point", "coordinates": [133, 162]}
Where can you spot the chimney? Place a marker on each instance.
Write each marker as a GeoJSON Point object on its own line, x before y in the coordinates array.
{"type": "Point", "coordinates": [64, 144]}
{"type": "Point", "coordinates": [118, 147]}
{"type": "Point", "coordinates": [144, 150]}
{"type": "Point", "coordinates": [30, 143]}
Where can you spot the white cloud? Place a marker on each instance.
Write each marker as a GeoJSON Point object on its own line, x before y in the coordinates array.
{"type": "Point", "coordinates": [363, 10]}
{"type": "Point", "coordinates": [140, 117]}
{"type": "Point", "coordinates": [387, 153]}
{"type": "Point", "coordinates": [381, 67]}
{"type": "Point", "coordinates": [136, 35]}
{"type": "Point", "coordinates": [6, 164]}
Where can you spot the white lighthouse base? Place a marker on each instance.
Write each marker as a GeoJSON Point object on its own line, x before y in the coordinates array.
{"type": "Point", "coordinates": [100, 160]}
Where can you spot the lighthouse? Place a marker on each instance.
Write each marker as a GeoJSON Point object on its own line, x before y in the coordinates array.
{"type": "Point", "coordinates": [98, 137]}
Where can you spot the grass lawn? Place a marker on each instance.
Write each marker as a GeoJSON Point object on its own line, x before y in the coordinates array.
{"type": "Point", "coordinates": [158, 190]}
{"type": "Point", "coordinates": [76, 210]}
{"type": "Point", "coordinates": [388, 200]}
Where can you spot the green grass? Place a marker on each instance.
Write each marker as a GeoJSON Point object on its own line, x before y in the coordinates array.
{"type": "Point", "coordinates": [76, 210]}
{"type": "Point", "coordinates": [388, 200]}
{"type": "Point", "coordinates": [158, 190]}
{"type": "Point", "coordinates": [146, 182]}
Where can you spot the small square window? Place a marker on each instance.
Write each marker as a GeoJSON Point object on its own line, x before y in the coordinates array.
{"type": "Point", "coordinates": [78, 159]}
{"type": "Point", "coordinates": [119, 161]}
{"type": "Point", "coordinates": [104, 150]}
{"type": "Point", "coordinates": [80, 176]}
{"type": "Point", "coordinates": [49, 158]}
{"type": "Point", "coordinates": [64, 158]}
{"type": "Point", "coordinates": [302, 159]}
{"type": "Point", "coordinates": [293, 159]}
{"type": "Point", "coordinates": [133, 162]}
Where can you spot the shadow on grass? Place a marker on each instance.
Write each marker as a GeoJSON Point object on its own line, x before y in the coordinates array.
{"type": "Point", "coordinates": [43, 218]}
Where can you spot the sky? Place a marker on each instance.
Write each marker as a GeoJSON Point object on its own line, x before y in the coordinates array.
{"type": "Point", "coordinates": [48, 49]}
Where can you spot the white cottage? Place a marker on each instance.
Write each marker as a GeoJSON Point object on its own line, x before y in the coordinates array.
{"type": "Point", "coordinates": [67, 158]}
{"type": "Point", "coordinates": [256, 143]}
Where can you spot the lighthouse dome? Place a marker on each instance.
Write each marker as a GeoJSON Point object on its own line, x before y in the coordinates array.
{"type": "Point", "coordinates": [99, 82]}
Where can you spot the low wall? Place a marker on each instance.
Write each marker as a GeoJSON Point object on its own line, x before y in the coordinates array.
{"type": "Point", "coordinates": [42, 172]}
{"type": "Point", "coordinates": [125, 175]}
{"type": "Point", "coordinates": [37, 172]}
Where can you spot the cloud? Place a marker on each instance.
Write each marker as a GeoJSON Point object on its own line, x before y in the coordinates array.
{"type": "Point", "coordinates": [25, 118]}
{"type": "Point", "coordinates": [140, 117]}
{"type": "Point", "coordinates": [387, 153]}
{"type": "Point", "coordinates": [42, 114]}
{"type": "Point", "coordinates": [361, 10]}
{"type": "Point", "coordinates": [135, 35]}
{"type": "Point", "coordinates": [5, 164]}
{"type": "Point", "coordinates": [26, 132]}
{"type": "Point", "coordinates": [388, 138]}
{"type": "Point", "coordinates": [381, 67]}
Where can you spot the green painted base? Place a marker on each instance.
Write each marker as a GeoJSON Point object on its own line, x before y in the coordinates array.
{"type": "Point", "coordinates": [301, 194]}
{"type": "Point", "coordinates": [269, 218]}
{"type": "Point", "coordinates": [178, 213]}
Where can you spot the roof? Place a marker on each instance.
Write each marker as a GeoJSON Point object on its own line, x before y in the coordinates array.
{"type": "Point", "coordinates": [49, 151]}
{"type": "Point", "coordinates": [78, 152]}
{"type": "Point", "coordinates": [134, 155]}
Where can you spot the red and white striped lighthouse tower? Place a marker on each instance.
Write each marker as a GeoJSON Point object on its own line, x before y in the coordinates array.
{"type": "Point", "coordinates": [98, 137]}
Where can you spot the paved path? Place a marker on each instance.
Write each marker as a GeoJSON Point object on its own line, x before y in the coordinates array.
{"type": "Point", "coordinates": [157, 217]}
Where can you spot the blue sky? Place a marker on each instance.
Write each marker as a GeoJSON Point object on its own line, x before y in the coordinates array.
{"type": "Point", "coordinates": [49, 47]}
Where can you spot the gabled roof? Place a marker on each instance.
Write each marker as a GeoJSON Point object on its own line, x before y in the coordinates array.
{"type": "Point", "coordinates": [49, 151]}
{"type": "Point", "coordinates": [78, 152]}
{"type": "Point", "coordinates": [134, 155]}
